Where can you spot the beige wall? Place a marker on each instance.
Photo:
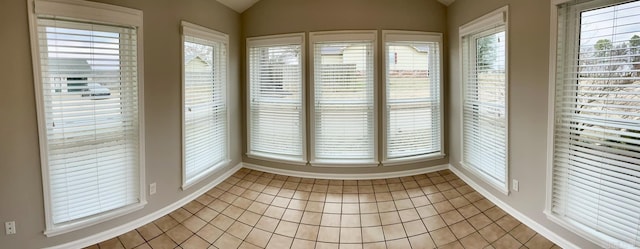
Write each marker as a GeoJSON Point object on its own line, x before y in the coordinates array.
{"type": "Point", "coordinates": [528, 85]}
{"type": "Point", "coordinates": [20, 178]}
{"type": "Point", "coordinates": [269, 17]}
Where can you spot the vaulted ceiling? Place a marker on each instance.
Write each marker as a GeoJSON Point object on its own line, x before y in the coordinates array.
{"type": "Point", "coordinates": [242, 5]}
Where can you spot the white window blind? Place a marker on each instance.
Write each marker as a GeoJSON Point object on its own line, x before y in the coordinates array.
{"type": "Point", "coordinates": [276, 113]}
{"type": "Point", "coordinates": [205, 109]}
{"type": "Point", "coordinates": [484, 120]}
{"type": "Point", "coordinates": [596, 154]}
{"type": "Point", "coordinates": [344, 115]}
{"type": "Point", "coordinates": [412, 94]}
{"type": "Point", "coordinates": [89, 116]}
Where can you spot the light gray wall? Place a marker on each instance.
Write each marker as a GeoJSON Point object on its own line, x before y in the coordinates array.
{"type": "Point", "coordinates": [269, 17]}
{"type": "Point", "coordinates": [528, 85]}
{"type": "Point", "coordinates": [20, 178]}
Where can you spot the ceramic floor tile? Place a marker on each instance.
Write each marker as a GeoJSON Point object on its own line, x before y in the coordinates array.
{"type": "Point", "coordinates": [179, 233]}
{"type": "Point", "coordinates": [311, 218]}
{"type": "Point", "coordinates": [462, 229]}
{"type": "Point", "coordinates": [239, 230]}
{"type": "Point", "coordinates": [330, 220]}
{"type": "Point", "coordinates": [350, 235]}
{"type": "Point", "coordinates": [492, 232]}
{"type": "Point", "coordinates": [394, 231]}
{"type": "Point", "coordinates": [194, 242]}
{"type": "Point", "coordinates": [227, 241]}
{"type": "Point", "coordinates": [131, 239]}
{"type": "Point", "coordinates": [329, 234]}
{"type": "Point", "coordinates": [307, 232]}
{"type": "Point", "coordinates": [112, 244]}
{"type": "Point", "coordinates": [279, 242]}
{"type": "Point", "coordinates": [422, 241]}
{"type": "Point", "coordinates": [287, 228]}
{"type": "Point", "coordinates": [473, 241]}
{"type": "Point", "coordinates": [414, 227]}
{"type": "Point", "coordinates": [258, 237]}
{"type": "Point", "coordinates": [253, 209]}
{"type": "Point", "coordinates": [210, 233]}
{"type": "Point", "coordinates": [372, 234]}
{"type": "Point", "coordinates": [162, 242]}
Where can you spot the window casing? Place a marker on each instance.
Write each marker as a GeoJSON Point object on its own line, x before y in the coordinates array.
{"type": "Point", "coordinates": [88, 81]}
{"type": "Point", "coordinates": [413, 108]}
{"type": "Point", "coordinates": [205, 118]}
{"type": "Point", "coordinates": [276, 116]}
{"type": "Point", "coordinates": [343, 113]}
{"type": "Point", "coordinates": [485, 88]}
{"type": "Point", "coordinates": [594, 173]}
{"type": "Point", "coordinates": [343, 118]}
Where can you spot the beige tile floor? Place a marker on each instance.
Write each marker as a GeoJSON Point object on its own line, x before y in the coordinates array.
{"type": "Point", "coordinates": [253, 209]}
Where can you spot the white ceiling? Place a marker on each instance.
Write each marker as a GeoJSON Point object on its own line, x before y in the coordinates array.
{"type": "Point", "coordinates": [242, 5]}
{"type": "Point", "coordinates": [446, 2]}
{"type": "Point", "coordinates": [238, 5]}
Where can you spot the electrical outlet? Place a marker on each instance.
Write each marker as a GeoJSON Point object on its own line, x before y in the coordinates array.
{"type": "Point", "coordinates": [515, 185]}
{"type": "Point", "coordinates": [152, 188]}
{"type": "Point", "coordinates": [10, 227]}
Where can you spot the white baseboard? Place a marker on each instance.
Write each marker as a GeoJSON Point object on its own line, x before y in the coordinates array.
{"type": "Point", "coordinates": [542, 230]}
{"type": "Point", "coordinates": [119, 230]}
{"type": "Point", "coordinates": [340, 176]}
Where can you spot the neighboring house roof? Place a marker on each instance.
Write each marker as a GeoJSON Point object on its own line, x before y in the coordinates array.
{"type": "Point", "coordinates": [421, 48]}
{"type": "Point", "coordinates": [189, 58]}
{"type": "Point", "coordinates": [339, 50]}
{"type": "Point", "coordinates": [72, 66]}
{"type": "Point", "coordinates": [332, 50]}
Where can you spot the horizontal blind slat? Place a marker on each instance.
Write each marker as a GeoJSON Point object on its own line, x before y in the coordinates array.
{"type": "Point", "coordinates": [276, 115]}
{"type": "Point", "coordinates": [412, 73]}
{"type": "Point", "coordinates": [596, 172]}
{"type": "Point", "coordinates": [343, 94]}
{"type": "Point", "coordinates": [484, 106]}
{"type": "Point", "coordinates": [89, 83]}
{"type": "Point", "coordinates": [205, 114]}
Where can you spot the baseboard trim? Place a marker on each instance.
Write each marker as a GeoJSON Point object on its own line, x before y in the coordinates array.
{"type": "Point", "coordinates": [340, 176]}
{"type": "Point", "coordinates": [117, 231]}
{"type": "Point", "coordinates": [560, 241]}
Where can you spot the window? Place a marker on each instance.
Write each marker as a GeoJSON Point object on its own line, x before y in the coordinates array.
{"type": "Point", "coordinates": [413, 108]}
{"type": "Point", "coordinates": [595, 162]}
{"type": "Point", "coordinates": [205, 145]}
{"type": "Point", "coordinates": [276, 109]}
{"type": "Point", "coordinates": [484, 114]}
{"type": "Point", "coordinates": [343, 119]}
{"type": "Point", "coordinates": [88, 88]}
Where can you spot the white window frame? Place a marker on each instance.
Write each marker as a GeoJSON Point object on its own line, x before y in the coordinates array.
{"type": "Point", "coordinates": [194, 30]}
{"type": "Point", "coordinates": [410, 36]}
{"type": "Point", "coordinates": [276, 40]}
{"type": "Point", "coordinates": [99, 13]}
{"type": "Point", "coordinates": [581, 230]}
{"type": "Point", "coordinates": [479, 27]}
{"type": "Point", "coordinates": [343, 36]}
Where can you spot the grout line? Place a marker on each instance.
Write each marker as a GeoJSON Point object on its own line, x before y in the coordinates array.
{"type": "Point", "coordinates": [366, 187]}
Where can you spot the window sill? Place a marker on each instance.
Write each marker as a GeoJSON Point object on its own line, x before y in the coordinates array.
{"type": "Point", "coordinates": [413, 159]}
{"type": "Point", "coordinates": [488, 180]}
{"type": "Point", "coordinates": [198, 178]}
{"type": "Point", "coordinates": [93, 220]}
{"type": "Point", "coordinates": [344, 163]}
{"type": "Point", "coordinates": [589, 234]}
{"type": "Point", "coordinates": [276, 158]}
